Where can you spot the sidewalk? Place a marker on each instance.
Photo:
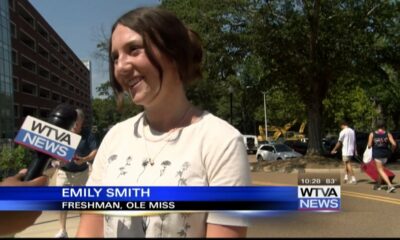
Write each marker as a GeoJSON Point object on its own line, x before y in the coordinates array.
{"type": "Point", "coordinates": [47, 225]}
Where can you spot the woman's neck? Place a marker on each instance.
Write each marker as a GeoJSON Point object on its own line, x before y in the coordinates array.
{"type": "Point", "coordinates": [172, 113]}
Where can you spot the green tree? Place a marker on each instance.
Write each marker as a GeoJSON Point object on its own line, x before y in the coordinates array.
{"type": "Point", "coordinates": [105, 113]}
{"type": "Point", "coordinates": [222, 27]}
{"type": "Point", "coordinates": [310, 45]}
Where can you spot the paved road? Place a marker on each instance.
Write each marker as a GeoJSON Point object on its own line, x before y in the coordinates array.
{"type": "Point", "coordinates": [365, 213]}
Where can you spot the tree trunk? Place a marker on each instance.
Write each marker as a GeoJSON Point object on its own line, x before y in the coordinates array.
{"type": "Point", "coordinates": [314, 126]}
{"type": "Point", "coordinates": [395, 118]}
{"type": "Point", "coordinates": [318, 86]}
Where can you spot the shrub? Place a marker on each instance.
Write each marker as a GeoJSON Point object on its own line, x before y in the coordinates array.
{"type": "Point", "coordinates": [13, 159]}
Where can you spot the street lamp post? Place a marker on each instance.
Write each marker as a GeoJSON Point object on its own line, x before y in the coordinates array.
{"type": "Point", "coordinates": [265, 117]}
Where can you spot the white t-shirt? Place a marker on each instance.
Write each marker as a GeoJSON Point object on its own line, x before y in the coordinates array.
{"type": "Point", "coordinates": [348, 138]}
{"type": "Point", "coordinates": [209, 152]}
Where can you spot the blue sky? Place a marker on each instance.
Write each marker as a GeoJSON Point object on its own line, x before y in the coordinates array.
{"type": "Point", "coordinates": [79, 23]}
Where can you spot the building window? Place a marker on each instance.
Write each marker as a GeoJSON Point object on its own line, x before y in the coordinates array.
{"type": "Point", "coordinates": [55, 97]}
{"type": "Point", "coordinates": [64, 99]}
{"type": "Point", "coordinates": [54, 43]}
{"type": "Point", "coordinates": [71, 60]}
{"type": "Point", "coordinates": [15, 84]}
{"type": "Point", "coordinates": [26, 16]}
{"type": "Point", "coordinates": [14, 57]}
{"type": "Point", "coordinates": [16, 111]}
{"type": "Point", "coordinates": [29, 88]}
{"type": "Point", "coordinates": [44, 113]}
{"type": "Point", "coordinates": [44, 93]}
{"type": "Point", "coordinates": [55, 79]}
{"type": "Point", "coordinates": [63, 53]}
{"type": "Point", "coordinates": [54, 61]}
{"type": "Point", "coordinates": [64, 84]}
{"type": "Point", "coordinates": [42, 31]}
{"type": "Point", "coordinates": [28, 64]}
{"type": "Point", "coordinates": [63, 68]}
{"type": "Point", "coordinates": [13, 30]}
{"type": "Point", "coordinates": [12, 4]}
{"type": "Point", "coordinates": [28, 110]}
{"type": "Point", "coordinates": [43, 52]}
{"type": "Point", "coordinates": [44, 73]}
{"type": "Point", "coordinates": [27, 40]}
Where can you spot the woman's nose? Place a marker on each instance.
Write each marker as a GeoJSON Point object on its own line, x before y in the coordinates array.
{"type": "Point", "coordinates": [123, 65]}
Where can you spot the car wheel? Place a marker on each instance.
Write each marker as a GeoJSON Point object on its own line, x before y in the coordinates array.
{"type": "Point", "coordinates": [259, 159]}
{"type": "Point", "coordinates": [278, 159]}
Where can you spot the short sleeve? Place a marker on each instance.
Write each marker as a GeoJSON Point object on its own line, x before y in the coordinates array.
{"type": "Point", "coordinates": [227, 165]}
{"type": "Point", "coordinates": [100, 161]}
{"type": "Point", "coordinates": [341, 136]}
{"type": "Point", "coordinates": [92, 142]}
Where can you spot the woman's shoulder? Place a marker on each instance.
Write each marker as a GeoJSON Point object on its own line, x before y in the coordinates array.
{"type": "Point", "coordinates": [214, 125]}
{"type": "Point", "coordinates": [126, 124]}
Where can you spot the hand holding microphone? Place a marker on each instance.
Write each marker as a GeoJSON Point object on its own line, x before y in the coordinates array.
{"type": "Point", "coordinates": [50, 139]}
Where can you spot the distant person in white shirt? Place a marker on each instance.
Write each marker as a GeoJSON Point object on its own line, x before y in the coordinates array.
{"type": "Point", "coordinates": [347, 139]}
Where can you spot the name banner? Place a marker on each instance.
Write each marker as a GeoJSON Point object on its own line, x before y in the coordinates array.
{"type": "Point", "coordinates": [305, 197]}
{"type": "Point", "coordinates": [149, 198]}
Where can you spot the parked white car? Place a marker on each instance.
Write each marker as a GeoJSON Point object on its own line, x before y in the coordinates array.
{"type": "Point", "coordinates": [271, 152]}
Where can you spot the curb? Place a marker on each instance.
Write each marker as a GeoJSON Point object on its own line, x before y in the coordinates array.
{"type": "Point", "coordinates": [311, 170]}
{"type": "Point", "coordinates": [329, 170]}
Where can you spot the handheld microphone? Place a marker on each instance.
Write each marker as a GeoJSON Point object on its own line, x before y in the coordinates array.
{"type": "Point", "coordinates": [49, 139]}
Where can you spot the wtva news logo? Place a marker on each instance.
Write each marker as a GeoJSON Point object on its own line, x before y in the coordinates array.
{"type": "Point", "coordinates": [48, 138]}
{"type": "Point", "coordinates": [319, 193]}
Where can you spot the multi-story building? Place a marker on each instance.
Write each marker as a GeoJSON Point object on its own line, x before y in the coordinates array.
{"type": "Point", "coordinates": [45, 71]}
{"type": "Point", "coordinates": [6, 84]}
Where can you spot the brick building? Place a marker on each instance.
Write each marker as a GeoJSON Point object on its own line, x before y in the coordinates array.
{"type": "Point", "coordinates": [45, 71]}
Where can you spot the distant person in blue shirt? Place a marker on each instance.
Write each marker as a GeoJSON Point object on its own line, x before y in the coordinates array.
{"type": "Point", "coordinates": [76, 172]}
{"type": "Point", "coordinates": [379, 141]}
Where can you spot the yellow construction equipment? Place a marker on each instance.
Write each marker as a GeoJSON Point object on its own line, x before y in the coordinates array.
{"type": "Point", "coordinates": [278, 132]}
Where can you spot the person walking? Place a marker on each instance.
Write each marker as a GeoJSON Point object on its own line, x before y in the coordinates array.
{"type": "Point", "coordinates": [347, 139]}
{"type": "Point", "coordinates": [76, 172]}
{"type": "Point", "coordinates": [379, 141]}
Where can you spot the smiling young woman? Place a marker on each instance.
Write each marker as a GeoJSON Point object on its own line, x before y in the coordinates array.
{"type": "Point", "coordinates": [153, 57]}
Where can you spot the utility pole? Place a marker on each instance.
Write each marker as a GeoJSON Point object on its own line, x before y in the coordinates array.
{"type": "Point", "coordinates": [265, 116]}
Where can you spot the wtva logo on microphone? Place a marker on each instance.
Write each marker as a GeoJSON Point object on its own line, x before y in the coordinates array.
{"type": "Point", "coordinates": [48, 138]}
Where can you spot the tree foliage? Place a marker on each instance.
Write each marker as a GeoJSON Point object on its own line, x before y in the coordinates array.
{"type": "Point", "coordinates": [13, 159]}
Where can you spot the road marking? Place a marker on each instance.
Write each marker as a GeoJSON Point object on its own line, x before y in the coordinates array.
{"type": "Point", "coordinates": [261, 183]}
{"type": "Point", "coordinates": [371, 197]}
{"type": "Point", "coordinates": [345, 193]}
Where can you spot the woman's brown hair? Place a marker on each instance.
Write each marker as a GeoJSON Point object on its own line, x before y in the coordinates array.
{"type": "Point", "coordinates": [172, 38]}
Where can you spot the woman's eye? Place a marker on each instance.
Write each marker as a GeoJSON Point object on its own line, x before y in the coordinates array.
{"type": "Point", "coordinates": [114, 59]}
{"type": "Point", "coordinates": [135, 50]}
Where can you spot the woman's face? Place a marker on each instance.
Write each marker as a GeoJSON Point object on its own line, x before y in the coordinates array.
{"type": "Point", "coordinates": [132, 68]}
